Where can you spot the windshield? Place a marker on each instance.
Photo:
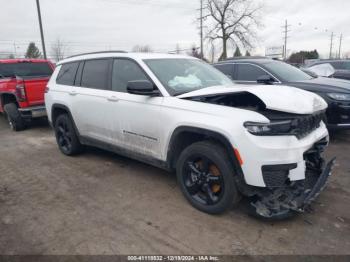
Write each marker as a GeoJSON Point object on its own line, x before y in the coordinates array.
{"type": "Point", "coordinates": [181, 76]}
{"type": "Point", "coordinates": [25, 69]}
{"type": "Point", "coordinates": [286, 72]}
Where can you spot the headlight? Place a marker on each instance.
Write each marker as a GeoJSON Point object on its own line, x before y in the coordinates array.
{"type": "Point", "coordinates": [339, 96]}
{"type": "Point", "coordinates": [270, 129]}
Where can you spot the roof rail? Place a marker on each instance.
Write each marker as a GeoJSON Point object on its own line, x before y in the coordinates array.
{"type": "Point", "coordinates": [99, 52]}
{"type": "Point", "coordinates": [246, 57]}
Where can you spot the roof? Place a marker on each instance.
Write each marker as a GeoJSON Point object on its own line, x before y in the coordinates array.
{"type": "Point", "coordinates": [246, 60]}
{"type": "Point", "coordinates": [136, 56]}
{"type": "Point", "coordinates": [20, 60]}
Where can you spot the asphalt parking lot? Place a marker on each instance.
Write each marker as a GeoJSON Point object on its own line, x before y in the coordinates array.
{"type": "Point", "coordinates": [102, 203]}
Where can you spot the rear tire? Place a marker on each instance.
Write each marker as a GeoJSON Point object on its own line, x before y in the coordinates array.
{"type": "Point", "coordinates": [14, 118]}
{"type": "Point", "coordinates": [206, 177]}
{"type": "Point", "coordinates": [66, 137]}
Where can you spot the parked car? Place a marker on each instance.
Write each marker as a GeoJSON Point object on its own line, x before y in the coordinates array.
{"type": "Point", "coordinates": [341, 68]}
{"type": "Point", "coordinates": [179, 113]}
{"type": "Point", "coordinates": [335, 92]}
{"type": "Point", "coordinates": [22, 88]}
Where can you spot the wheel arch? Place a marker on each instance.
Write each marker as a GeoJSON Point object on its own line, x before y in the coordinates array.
{"type": "Point", "coordinates": [184, 136]}
{"type": "Point", "coordinates": [6, 98]}
{"type": "Point", "coordinates": [57, 110]}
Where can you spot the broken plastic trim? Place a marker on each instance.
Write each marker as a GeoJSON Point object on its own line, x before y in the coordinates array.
{"type": "Point", "coordinates": [296, 197]}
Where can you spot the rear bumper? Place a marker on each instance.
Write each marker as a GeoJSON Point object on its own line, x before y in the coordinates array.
{"type": "Point", "coordinates": [33, 112]}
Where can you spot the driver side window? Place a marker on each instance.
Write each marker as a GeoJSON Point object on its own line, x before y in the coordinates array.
{"type": "Point", "coordinates": [125, 70]}
{"type": "Point", "coordinates": [247, 72]}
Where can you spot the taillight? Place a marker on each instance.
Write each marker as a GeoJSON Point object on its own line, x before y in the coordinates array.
{"type": "Point", "coordinates": [20, 90]}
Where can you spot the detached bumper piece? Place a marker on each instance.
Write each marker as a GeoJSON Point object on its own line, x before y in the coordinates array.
{"type": "Point", "coordinates": [295, 196]}
{"type": "Point", "coordinates": [33, 112]}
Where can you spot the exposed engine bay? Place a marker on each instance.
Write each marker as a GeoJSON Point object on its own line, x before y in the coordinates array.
{"type": "Point", "coordinates": [299, 125]}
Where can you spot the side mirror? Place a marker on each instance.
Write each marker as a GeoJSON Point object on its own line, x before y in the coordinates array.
{"type": "Point", "coordinates": [141, 87]}
{"type": "Point", "coordinates": [265, 79]}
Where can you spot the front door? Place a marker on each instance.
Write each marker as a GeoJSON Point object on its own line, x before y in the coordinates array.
{"type": "Point", "coordinates": [135, 119]}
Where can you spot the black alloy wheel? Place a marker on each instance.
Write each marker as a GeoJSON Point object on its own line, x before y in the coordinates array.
{"type": "Point", "coordinates": [206, 177]}
{"type": "Point", "coordinates": [66, 136]}
{"type": "Point", "coordinates": [203, 180]}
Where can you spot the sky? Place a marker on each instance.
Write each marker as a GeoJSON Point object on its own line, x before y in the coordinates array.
{"type": "Point", "coordinates": [92, 25]}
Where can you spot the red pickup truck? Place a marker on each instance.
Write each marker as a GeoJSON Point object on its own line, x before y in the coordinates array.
{"type": "Point", "coordinates": [22, 88]}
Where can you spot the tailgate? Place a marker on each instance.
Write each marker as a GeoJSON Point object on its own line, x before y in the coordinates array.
{"type": "Point", "coordinates": [35, 90]}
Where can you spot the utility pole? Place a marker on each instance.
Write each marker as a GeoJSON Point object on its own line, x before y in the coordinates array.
{"type": "Point", "coordinates": [41, 29]}
{"type": "Point", "coordinates": [340, 42]}
{"type": "Point", "coordinates": [331, 49]}
{"type": "Point", "coordinates": [286, 31]}
{"type": "Point", "coordinates": [15, 48]}
{"type": "Point", "coordinates": [201, 27]}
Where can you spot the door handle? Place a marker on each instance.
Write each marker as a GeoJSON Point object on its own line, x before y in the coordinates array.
{"type": "Point", "coordinates": [73, 93]}
{"type": "Point", "coordinates": [113, 99]}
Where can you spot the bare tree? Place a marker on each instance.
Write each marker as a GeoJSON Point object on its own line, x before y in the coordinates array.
{"type": "Point", "coordinates": [233, 20]}
{"type": "Point", "coordinates": [58, 50]}
{"type": "Point", "coordinates": [142, 49]}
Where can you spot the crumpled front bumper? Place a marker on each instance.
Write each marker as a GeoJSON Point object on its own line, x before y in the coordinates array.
{"type": "Point", "coordinates": [275, 203]}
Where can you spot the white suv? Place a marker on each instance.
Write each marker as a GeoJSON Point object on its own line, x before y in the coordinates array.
{"type": "Point", "coordinates": [179, 113]}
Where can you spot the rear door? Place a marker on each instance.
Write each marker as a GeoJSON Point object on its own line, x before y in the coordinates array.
{"type": "Point", "coordinates": [89, 107]}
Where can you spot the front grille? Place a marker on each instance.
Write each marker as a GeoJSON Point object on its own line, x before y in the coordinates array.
{"type": "Point", "coordinates": [305, 125]}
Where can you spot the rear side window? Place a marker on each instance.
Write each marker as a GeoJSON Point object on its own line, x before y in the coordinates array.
{"type": "Point", "coordinates": [25, 69]}
{"type": "Point", "coordinates": [227, 69]}
{"type": "Point", "coordinates": [124, 71]}
{"type": "Point", "coordinates": [95, 74]}
{"type": "Point", "coordinates": [341, 65]}
{"type": "Point", "coordinates": [67, 74]}
{"type": "Point", "coordinates": [246, 72]}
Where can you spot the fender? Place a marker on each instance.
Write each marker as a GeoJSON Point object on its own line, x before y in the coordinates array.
{"type": "Point", "coordinates": [171, 154]}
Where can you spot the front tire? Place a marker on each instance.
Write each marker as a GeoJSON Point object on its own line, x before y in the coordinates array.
{"type": "Point", "coordinates": [206, 177]}
{"type": "Point", "coordinates": [14, 118]}
{"type": "Point", "coordinates": [66, 137]}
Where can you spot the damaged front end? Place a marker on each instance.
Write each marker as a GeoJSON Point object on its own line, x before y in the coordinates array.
{"type": "Point", "coordinates": [277, 191]}
{"type": "Point", "coordinates": [283, 197]}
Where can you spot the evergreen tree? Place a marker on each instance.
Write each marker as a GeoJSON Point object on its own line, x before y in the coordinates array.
{"type": "Point", "coordinates": [237, 52]}
{"type": "Point", "coordinates": [32, 51]}
{"type": "Point", "coordinates": [247, 53]}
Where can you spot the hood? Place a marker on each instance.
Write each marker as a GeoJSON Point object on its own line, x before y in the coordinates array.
{"type": "Point", "coordinates": [279, 98]}
{"type": "Point", "coordinates": [324, 84]}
